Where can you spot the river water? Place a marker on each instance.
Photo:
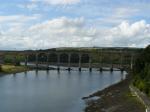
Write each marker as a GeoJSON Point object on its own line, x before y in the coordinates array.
{"type": "Point", "coordinates": [52, 91]}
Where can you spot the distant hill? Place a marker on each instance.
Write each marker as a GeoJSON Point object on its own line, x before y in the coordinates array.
{"type": "Point", "coordinates": [79, 48]}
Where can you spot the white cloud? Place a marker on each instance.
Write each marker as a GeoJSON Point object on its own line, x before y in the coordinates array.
{"type": "Point", "coordinates": [119, 14]}
{"type": "Point", "coordinates": [18, 18]}
{"type": "Point", "coordinates": [57, 2]}
{"type": "Point", "coordinates": [29, 6]}
{"type": "Point", "coordinates": [133, 30]}
{"type": "Point", "coordinates": [137, 34]}
{"type": "Point", "coordinates": [63, 32]}
{"type": "Point", "coordinates": [124, 12]}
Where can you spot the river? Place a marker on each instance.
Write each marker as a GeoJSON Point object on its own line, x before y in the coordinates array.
{"type": "Point", "coordinates": [52, 91]}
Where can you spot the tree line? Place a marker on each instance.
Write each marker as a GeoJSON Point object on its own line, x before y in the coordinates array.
{"type": "Point", "coordinates": [141, 71]}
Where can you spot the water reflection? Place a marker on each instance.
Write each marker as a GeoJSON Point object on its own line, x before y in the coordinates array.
{"type": "Point", "coordinates": [52, 91]}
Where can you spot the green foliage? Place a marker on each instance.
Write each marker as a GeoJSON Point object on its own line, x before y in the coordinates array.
{"type": "Point", "coordinates": [8, 59]}
{"type": "Point", "coordinates": [142, 71]}
{"type": "Point", "coordinates": [13, 69]}
{"type": "Point", "coordinates": [0, 67]}
{"type": "Point", "coordinates": [13, 59]}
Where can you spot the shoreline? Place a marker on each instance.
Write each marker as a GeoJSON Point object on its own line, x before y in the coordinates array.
{"type": "Point", "coordinates": [115, 98]}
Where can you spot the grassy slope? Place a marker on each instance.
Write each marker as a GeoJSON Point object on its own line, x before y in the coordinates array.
{"type": "Point", "coordinates": [13, 69]}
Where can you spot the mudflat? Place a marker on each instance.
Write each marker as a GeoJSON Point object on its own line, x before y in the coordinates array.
{"type": "Point", "coordinates": [116, 98]}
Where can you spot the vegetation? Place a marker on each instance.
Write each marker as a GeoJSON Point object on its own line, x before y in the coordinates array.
{"type": "Point", "coordinates": [0, 67]}
{"type": "Point", "coordinates": [9, 59]}
{"type": "Point", "coordinates": [141, 71]}
{"type": "Point", "coordinates": [13, 69]}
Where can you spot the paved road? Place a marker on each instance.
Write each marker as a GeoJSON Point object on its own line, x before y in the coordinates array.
{"type": "Point", "coordinates": [143, 98]}
{"type": "Point", "coordinates": [148, 110]}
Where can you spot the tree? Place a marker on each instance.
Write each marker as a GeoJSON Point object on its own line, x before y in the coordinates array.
{"type": "Point", "coordinates": [141, 71]}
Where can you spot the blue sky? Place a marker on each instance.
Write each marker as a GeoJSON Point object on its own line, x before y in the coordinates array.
{"type": "Point", "coordinates": [27, 24]}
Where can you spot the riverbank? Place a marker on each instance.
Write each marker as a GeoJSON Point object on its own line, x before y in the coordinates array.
{"type": "Point", "coordinates": [116, 98]}
{"type": "Point", "coordinates": [11, 69]}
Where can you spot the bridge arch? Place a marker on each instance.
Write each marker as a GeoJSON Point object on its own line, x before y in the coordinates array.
{"type": "Point", "coordinates": [31, 57]}
{"type": "Point", "coordinates": [53, 57]}
{"type": "Point", "coordinates": [42, 57]}
{"type": "Point", "coordinates": [74, 58]}
{"type": "Point", "coordinates": [85, 58]}
{"type": "Point", "coordinates": [64, 58]}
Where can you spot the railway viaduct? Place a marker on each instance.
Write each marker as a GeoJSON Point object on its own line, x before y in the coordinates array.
{"type": "Point", "coordinates": [106, 58]}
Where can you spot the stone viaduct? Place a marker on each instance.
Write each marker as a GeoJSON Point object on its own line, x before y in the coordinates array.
{"type": "Point", "coordinates": [75, 58]}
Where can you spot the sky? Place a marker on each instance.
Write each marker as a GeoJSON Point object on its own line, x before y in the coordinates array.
{"type": "Point", "coordinates": [44, 24]}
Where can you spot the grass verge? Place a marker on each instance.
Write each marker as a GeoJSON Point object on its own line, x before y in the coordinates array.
{"type": "Point", "coordinates": [8, 69]}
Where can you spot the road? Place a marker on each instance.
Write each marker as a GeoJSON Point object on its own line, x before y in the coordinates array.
{"type": "Point", "coordinates": [143, 98]}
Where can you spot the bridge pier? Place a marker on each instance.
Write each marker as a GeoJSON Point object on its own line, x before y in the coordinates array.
{"type": "Point", "coordinates": [112, 67]}
{"type": "Point", "coordinates": [100, 69]}
{"type": "Point", "coordinates": [26, 60]}
{"type": "Point", "coordinates": [90, 61]}
{"type": "Point", "coordinates": [122, 69]}
{"type": "Point", "coordinates": [36, 59]}
{"type": "Point", "coordinates": [69, 59]}
{"type": "Point", "coordinates": [100, 61]}
{"type": "Point", "coordinates": [111, 59]}
{"type": "Point", "coordinates": [58, 62]}
{"type": "Point", "coordinates": [47, 61]}
{"type": "Point", "coordinates": [79, 62]}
